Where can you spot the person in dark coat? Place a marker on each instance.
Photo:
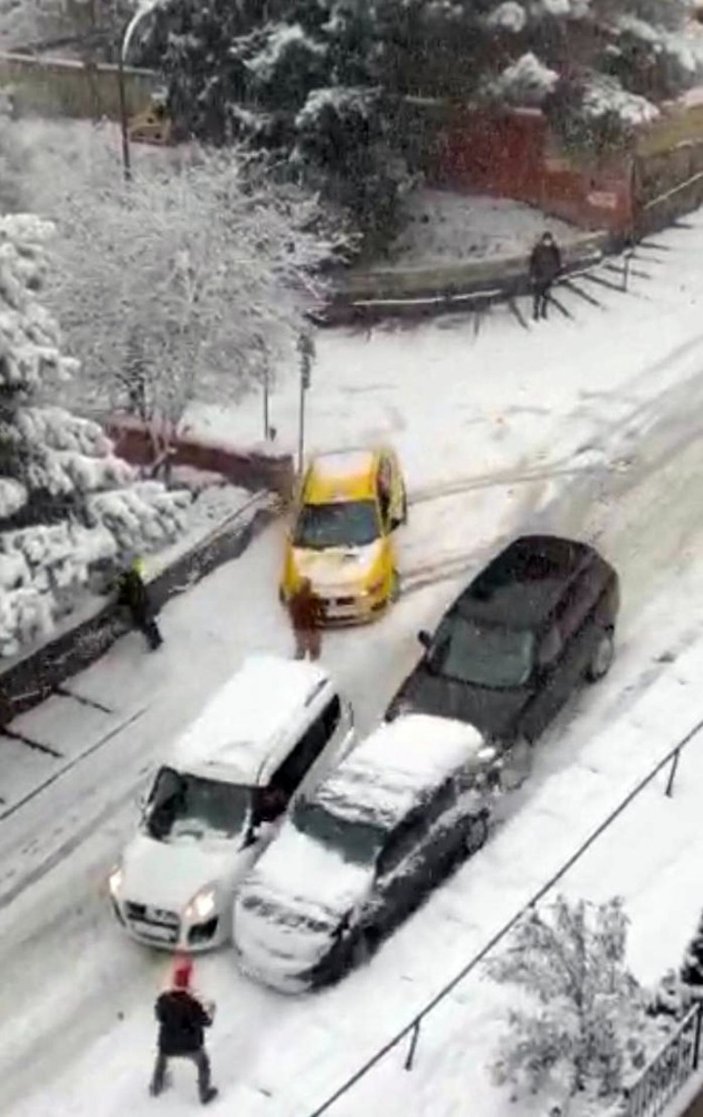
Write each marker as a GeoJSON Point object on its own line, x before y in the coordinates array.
{"type": "Point", "coordinates": [545, 266]}
{"type": "Point", "coordinates": [306, 615]}
{"type": "Point", "coordinates": [133, 595]}
{"type": "Point", "coordinates": [182, 1019]}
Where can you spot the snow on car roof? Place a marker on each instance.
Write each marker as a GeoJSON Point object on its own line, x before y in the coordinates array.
{"type": "Point", "coordinates": [389, 772]}
{"type": "Point", "coordinates": [243, 731]}
{"type": "Point", "coordinates": [343, 463]}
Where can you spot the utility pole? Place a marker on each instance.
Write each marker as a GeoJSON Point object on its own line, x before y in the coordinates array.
{"type": "Point", "coordinates": [306, 349]}
{"type": "Point", "coordinates": [130, 28]}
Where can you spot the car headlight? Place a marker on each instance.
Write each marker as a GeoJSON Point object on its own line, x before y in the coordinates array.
{"type": "Point", "coordinates": [202, 905]}
{"type": "Point", "coordinates": [115, 881]}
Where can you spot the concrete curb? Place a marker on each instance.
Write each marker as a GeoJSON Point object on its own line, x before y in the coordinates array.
{"type": "Point", "coordinates": [30, 680]}
{"type": "Point", "coordinates": [372, 296]}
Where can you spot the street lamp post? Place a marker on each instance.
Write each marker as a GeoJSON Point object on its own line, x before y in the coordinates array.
{"type": "Point", "coordinates": [129, 30]}
{"type": "Point", "coordinates": [306, 348]}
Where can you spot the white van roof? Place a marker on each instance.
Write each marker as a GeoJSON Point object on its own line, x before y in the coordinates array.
{"type": "Point", "coordinates": [243, 733]}
{"type": "Point", "coordinates": [402, 759]}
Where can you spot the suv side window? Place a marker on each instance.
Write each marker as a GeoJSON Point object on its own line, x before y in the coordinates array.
{"type": "Point", "coordinates": [442, 799]}
{"type": "Point", "coordinates": [578, 602]}
{"type": "Point", "coordinates": [404, 839]}
{"type": "Point", "coordinates": [311, 744]}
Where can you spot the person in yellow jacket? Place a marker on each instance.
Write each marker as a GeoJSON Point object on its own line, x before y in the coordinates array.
{"type": "Point", "coordinates": [132, 594]}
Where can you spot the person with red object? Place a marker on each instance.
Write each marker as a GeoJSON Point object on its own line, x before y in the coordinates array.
{"type": "Point", "coordinates": [307, 616]}
{"type": "Point", "coordinates": [182, 1019]}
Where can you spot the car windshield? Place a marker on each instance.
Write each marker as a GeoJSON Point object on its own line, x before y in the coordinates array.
{"type": "Point", "coordinates": [355, 839]}
{"type": "Point", "coordinates": [351, 523]}
{"type": "Point", "coordinates": [484, 655]}
{"type": "Point", "coordinates": [182, 805]}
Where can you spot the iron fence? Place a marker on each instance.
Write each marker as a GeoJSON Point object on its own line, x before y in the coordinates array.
{"type": "Point", "coordinates": [666, 1074]}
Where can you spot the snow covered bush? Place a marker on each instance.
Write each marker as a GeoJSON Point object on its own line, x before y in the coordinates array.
{"type": "Point", "coordinates": [66, 502]}
{"type": "Point", "coordinates": [188, 282]}
{"type": "Point", "coordinates": [584, 1007]}
{"type": "Point", "coordinates": [692, 968]}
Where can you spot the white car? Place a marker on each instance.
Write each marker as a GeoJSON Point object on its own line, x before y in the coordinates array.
{"type": "Point", "coordinates": [355, 857]}
{"type": "Point", "coordinates": [271, 733]}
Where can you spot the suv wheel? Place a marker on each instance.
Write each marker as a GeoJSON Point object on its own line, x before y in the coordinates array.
{"type": "Point", "coordinates": [602, 657]}
{"type": "Point", "coordinates": [476, 835]}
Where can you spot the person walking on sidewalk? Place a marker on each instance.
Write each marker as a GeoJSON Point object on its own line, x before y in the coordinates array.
{"type": "Point", "coordinates": [182, 1018]}
{"type": "Point", "coordinates": [305, 611]}
{"type": "Point", "coordinates": [545, 266]}
{"type": "Point", "coordinates": [133, 595]}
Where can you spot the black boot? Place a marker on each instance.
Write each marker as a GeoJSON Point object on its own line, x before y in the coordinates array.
{"type": "Point", "coordinates": [209, 1095]}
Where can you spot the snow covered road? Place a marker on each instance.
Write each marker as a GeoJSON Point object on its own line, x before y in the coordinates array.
{"type": "Point", "coordinates": [573, 430]}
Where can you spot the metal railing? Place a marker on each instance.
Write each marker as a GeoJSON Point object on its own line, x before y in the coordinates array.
{"type": "Point", "coordinates": [666, 1074]}
{"type": "Point", "coordinates": [411, 1031]}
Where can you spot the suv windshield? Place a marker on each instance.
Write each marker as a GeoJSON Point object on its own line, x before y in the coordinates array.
{"type": "Point", "coordinates": [352, 523]}
{"type": "Point", "coordinates": [354, 839]}
{"type": "Point", "coordinates": [484, 655]}
{"type": "Point", "coordinates": [182, 805]}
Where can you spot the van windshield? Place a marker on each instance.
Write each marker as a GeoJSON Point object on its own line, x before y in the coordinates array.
{"type": "Point", "coordinates": [185, 806]}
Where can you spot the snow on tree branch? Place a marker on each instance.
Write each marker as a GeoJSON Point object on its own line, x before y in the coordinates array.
{"type": "Point", "coordinates": [185, 283]}
{"type": "Point", "coordinates": [67, 503]}
{"type": "Point", "coordinates": [582, 1005]}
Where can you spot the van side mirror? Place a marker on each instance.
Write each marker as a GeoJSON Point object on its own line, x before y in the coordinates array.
{"type": "Point", "coordinates": [424, 638]}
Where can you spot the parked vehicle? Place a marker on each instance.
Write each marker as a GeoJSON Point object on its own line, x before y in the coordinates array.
{"type": "Point", "coordinates": [350, 504]}
{"type": "Point", "coordinates": [359, 854]}
{"type": "Point", "coordinates": [270, 734]}
{"type": "Point", "coordinates": [520, 638]}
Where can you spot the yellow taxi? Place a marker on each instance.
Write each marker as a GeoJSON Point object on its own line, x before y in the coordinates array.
{"type": "Point", "coordinates": [350, 503]}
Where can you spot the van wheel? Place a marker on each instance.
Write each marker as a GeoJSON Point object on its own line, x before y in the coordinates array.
{"type": "Point", "coordinates": [394, 590]}
{"type": "Point", "coordinates": [602, 658]}
{"type": "Point", "coordinates": [476, 835]}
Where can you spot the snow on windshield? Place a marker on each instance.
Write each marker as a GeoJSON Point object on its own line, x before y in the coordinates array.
{"type": "Point", "coordinates": [486, 655]}
{"type": "Point", "coordinates": [352, 523]}
{"type": "Point", "coordinates": [182, 805]}
{"type": "Point", "coordinates": [354, 838]}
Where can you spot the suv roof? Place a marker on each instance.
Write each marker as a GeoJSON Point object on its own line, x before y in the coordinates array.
{"type": "Point", "coordinates": [522, 585]}
{"type": "Point", "coordinates": [389, 772]}
{"type": "Point", "coordinates": [245, 731]}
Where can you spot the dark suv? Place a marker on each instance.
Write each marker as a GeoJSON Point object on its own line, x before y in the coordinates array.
{"type": "Point", "coordinates": [519, 639]}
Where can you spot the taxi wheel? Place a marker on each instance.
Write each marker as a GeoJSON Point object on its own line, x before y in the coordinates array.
{"type": "Point", "coordinates": [404, 508]}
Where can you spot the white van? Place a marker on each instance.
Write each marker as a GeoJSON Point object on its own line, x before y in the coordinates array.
{"type": "Point", "coordinates": [272, 733]}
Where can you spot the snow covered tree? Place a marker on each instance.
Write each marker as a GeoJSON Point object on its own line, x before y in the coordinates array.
{"type": "Point", "coordinates": [186, 283]}
{"type": "Point", "coordinates": [572, 964]}
{"type": "Point", "coordinates": [67, 504]}
{"type": "Point", "coordinates": [317, 83]}
{"type": "Point", "coordinates": [692, 968]}
{"type": "Point", "coordinates": [297, 79]}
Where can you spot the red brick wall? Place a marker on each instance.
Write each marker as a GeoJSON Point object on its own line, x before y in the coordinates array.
{"type": "Point", "coordinates": [507, 155]}
{"type": "Point", "coordinates": [252, 470]}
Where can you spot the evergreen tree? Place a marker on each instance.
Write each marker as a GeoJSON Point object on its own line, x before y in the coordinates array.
{"type": "Point", "coordinates": [67, 503]}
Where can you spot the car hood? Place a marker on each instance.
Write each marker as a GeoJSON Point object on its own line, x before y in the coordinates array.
{"type": "Point", "coordinates": [337, 566]}
{"type": "Point", "coordinates": [287, 913]}
{"type": "Point", "coordinates": [168, 875]}
{"type": "Point", "coordinates": [493, 712]}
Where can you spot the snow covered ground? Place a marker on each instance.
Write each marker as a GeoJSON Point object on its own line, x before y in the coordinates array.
{"type": "Point", "coordinates": [444, 227]}
{"type": "Point", "coordinates": [590, 425]}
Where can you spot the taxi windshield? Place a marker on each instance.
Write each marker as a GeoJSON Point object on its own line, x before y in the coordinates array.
{"type": "Point", "coordinates": [351, 523]}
